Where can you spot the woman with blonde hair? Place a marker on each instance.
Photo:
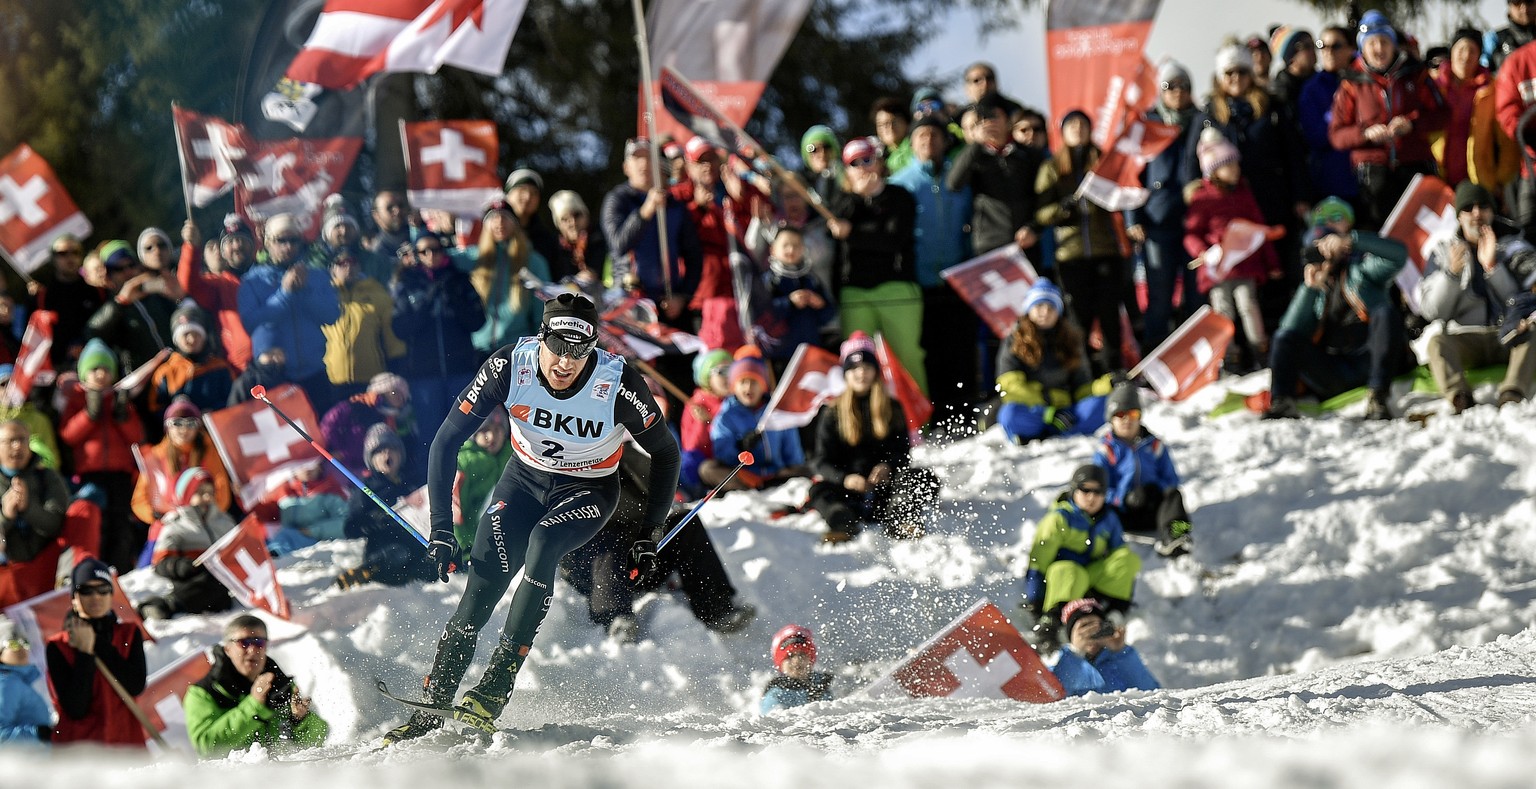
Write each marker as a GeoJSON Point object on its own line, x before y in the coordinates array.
{"type": "Point", "coordinates": [1042, 374]}
{"type": "Point", "coordinates": [497, 269]}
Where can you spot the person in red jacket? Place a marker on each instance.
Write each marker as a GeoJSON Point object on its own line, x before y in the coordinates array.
{"type": "Point", "coordinates": [100, 427]}
{"type": "Point", "coordinates": [1514, 94]}
{"type": "Point", "coordinates": [1383, 114]}
{"type": "Point", "coordinates": [216, 286]}
{"type": "Point", "coordinates": [94, 641]}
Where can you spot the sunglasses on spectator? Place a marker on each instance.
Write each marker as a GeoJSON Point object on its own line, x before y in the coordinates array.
{"type": "Point", "coordinates": [1091, 491]}
{"type": "Point", "coordinates": [1175, 85]}
{"type": "Point", "coordinates": [862, 161]}
{"type": "Point", "coordinates": [182, 421]}
{"type": "Point", "coordinates": [429, 250]}
{"type": "Point", "coordinates": [94, 590]}
{"type": "Point", "coordinates": [565, 347]}
{"type": "Point", "coordinates": [250, 642]}
{"type": "Point", "coordinates": [1134, 413]}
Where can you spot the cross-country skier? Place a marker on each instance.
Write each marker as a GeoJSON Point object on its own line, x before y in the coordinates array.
{"type": "Point", "coordinates": [572, 407]}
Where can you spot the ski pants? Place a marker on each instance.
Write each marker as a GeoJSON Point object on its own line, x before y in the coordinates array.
{"type": "Point", "coordinates": [894, 309]}
{"type": "Point", "coordinates": [1151, 509]}
{"type": "Point", "coordinates": [1025, 423]}
{"type": "Point", "coordinates": [1113, 576]}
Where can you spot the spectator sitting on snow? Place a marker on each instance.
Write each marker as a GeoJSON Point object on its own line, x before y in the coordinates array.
{"type": "Point", "coordinates": [1143, 483]}
{"type": "Point", "coordinates": [25, 718]}
{"type": "Point", "coordinates": [777, 454]}
{"type": "Point", "coordinates": [310, 506]}
{"type": "Point", "coordinates": [481, 461]}
{"type": "Point", "coordinates": [1470, 274]}
{"type": "Point", "coordinates": [712, 373]}
{"type": "Point", "coordinates": [195, 525]}
{"type": "Point", "coordinates": [1096, 658]}
{"type": "Point", "coordinates": [794, 655]}
{"type": "Point", "coordinates": [1043, 374]}
{"type": "Point", "coordinates": [245, 698]}
{"type": "Point", "coordinates": [185, 445]}
{"type": "Point", "coordinates": [862, 458]}
{"type": "Point", "coordinates": [1078, 549]}
{"type": "Point", "coordinates": [391, 556]}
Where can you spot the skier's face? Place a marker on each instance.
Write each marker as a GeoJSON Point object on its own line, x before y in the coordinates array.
{"type": "Point", "coordinates": [560, 371]}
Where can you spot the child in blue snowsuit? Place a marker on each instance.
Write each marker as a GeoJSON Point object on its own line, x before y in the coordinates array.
{"type": "Point", "coordinates": [1043, 374]}
{"type": "Point", "coordinates": [25, 718]}
{"type": "Point", "coordinates": [1143, 483]}
{"type": "Point", "coordinates": [1096, 658]}
{"type": "Point", "coordinates": [777, 454]}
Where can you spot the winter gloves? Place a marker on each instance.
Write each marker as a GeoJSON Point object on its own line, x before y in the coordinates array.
{"type": "Point", "coordinates": [442, 551]}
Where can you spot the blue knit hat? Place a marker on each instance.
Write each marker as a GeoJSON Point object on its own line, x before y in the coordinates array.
{"type": "Point", "coordinates": [1044, 290]}
{"type": "Point", "coordinates": [1374, 23]}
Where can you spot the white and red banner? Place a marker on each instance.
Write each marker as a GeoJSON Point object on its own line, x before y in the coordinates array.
{"type": "Point", "coordinates": [33, 360]}
{"type": "Point", "coordinates": [994, 284]}
{"type": "Point", "coordinates": [1239, 242]}
{"type": "Point", "coordinates": [34, 209]}
{"type": "Point", "coordinates": [632, 329]}
{"type": "Point", "coordinates": [162, 480]}
{"type": "Point", "coordinates": [1423, 216]}
{"type": "Point", "coordinates": [38, 618]}
{"type": "Point", "coordinates": [294, 176]}
{"type": "Point", "coordinates": [161, 699]}
{"type": "Point", "coordinates": [726, 48]}
{"type": "Point", "coordinates": [210, 150]}
{"type": "Point", "coordinates": [1190, 358]}
{"type": "Point", "coordinates": [899, 383]}
{"type": "Point", "coordinates": [1094, 55]}
{"type": "Point", "coordinates": [355, 39]}
{"type": "Point", "coordinates": [259, 449]}
{"type": "Point", "coordinates": [241, 562]}
{"type": "Point", "coordinates": [1115, 182]}
{"type": "Point", "coordinates": [451, 165]}
{"type": "Point", "coordinates": [416, 510]}
{"type": "Point", "coordinates": [980, 655]}
{"type": "Point", "coordinates": [814, 376]}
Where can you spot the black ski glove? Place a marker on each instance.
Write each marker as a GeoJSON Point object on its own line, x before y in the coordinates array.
{"type": "Point", "coordinates": [643, 563]}
{"type": "Point", "coordinates": [750, 441]}
{"type": "Point", "coordinates": [442, 551]}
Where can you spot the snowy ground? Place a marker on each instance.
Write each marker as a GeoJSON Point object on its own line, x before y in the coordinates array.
{"type": "Point", "coordinates": [1355, 612]}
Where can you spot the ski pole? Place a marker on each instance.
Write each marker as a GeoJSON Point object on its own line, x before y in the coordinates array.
{"type": "Point", "coordinates": [744, 459]}
{"type": "Point", "coordinates": [260, 393]}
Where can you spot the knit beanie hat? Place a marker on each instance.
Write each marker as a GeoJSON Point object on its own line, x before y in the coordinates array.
{"type": "Point", "coordinates": [1470, 34]}
{"type": "Point", "coordinates": [1077, 609]}
{"type": "Point", "coordinates": [182, 407]}
{"type": "Point", "coordinates": [188, 319]}
{"type": "Point", "coordinates": [1124, 397]}
{"type": "Point", "coordinates": [573, 316]}
{"type": "Point", "coordinates": [1331, 209]}
{"type": "Point", "coordinates": [792, 640]}
{"type": "Point", "coordinates": [925, 101]}
{"type": "Point", "coordinates": [1470, 195]}
{"type": "Point", "coordinates": [816, 134]}
{"type": "Point", "coordinates": [749, 364]}
{"type": "Point", "coordinates": [858, 349]}
{"type": "Point", "coordinates": [1044, 291]}
{"type": "Point", "coordinates": [707, 361]}
{"type": "Point", "coordinates": [1374, 23]}
{"type": "Point", "coordinates": [1286, 42]}
{"type": "Point", "coordinates": [1172, 71]}
{"type": "Point", "coordinates": [280, 224]}
{"type": "Point", "coordinates": [380, 437]}
{"type": "Point", "coordinates": [336, 214]}
{"type": "Point", "coordinates": [151, 233]}
{"type": "Point", "coordinates": [96, 354]}
{"type": "Point", "coordinates": [564, 202]}
{"type": "Point", "coordinates": [387, 383]}
{"type": "Point", "coordinates": [1233, 56]}
{"type": "Point", "coordinates": [235, 225]}
{"type": "Point", "coordinates": [859, 148]}
{"type": "Point", "coordinates": [1214, 151]}
{"type": "Point", "coordinates": [525, 176]}
{"type": "Point", "coordinates": [1089, 473]}
{"type": "Point", "coordinates": [116, 254]}
{"type": "Point", "coordinates": [89, 570]}
{"type": "Point", "coordinates": [188, 482]}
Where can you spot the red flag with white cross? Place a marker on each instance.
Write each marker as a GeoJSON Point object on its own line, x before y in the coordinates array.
{"type": "Point", "coordinates": [210, 150]}
{"type": "Point", "coordinates": [1190, 358]}
{"type": "Point", "coordinates": [916, 405]}
{"type": "Point", "coordinates": [161, 699]}
{"type": "Point", "coordinates": [259, 449]}
{"type": "Point", "coordinates": [980, 655]}
{"type": "Point", "coordinates": [293, 176]}
{"type": "Point", "coordinates": [1424, 215]}
{"type": "Point", "coordinates": [451, 165]}
{"type": "Point", "coordinates": [994, 284]}
{"type": "Point", "coordinates": [34, 358]}
{"type": "Point", "coordinates": [241, 562]}
{"type": "Point", "coordinates": [34, 209]}
{"type": "Point", "coordinates": [814, 376]}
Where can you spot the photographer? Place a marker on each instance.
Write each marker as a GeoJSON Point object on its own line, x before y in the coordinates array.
{"type": "Point", "coordinates": [246, 698]}
{"type": "Point", "coordinates": [1096, 658]}
{"type": "Point", "coordinates": [1342, 330]}
{"type": "Point", "coordinates": [136, 321]}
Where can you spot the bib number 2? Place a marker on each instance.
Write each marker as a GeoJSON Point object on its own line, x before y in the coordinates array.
{"type": "Point", "coordinates": [553, 449]}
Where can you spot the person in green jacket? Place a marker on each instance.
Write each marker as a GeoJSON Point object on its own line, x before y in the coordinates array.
{"type": "Point", "coordinates": [247, 699]}
{"type": "Point", "coordinates": [481, 461]}
{"type": "Point", "coordinates": [1342, 330]}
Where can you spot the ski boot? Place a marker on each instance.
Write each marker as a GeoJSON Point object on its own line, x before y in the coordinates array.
{"type": "Point", "coordinates": [421, 723]}
{"type": "Point", "coordinates": [483, 703]}
{"type": "Point", "coordinates": [1179, 542]}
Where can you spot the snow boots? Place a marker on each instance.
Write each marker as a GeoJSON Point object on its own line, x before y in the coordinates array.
{"type": "Point", "coordinates": [483, 703]}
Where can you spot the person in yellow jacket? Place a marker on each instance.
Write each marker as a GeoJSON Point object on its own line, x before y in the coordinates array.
{"type": "Point", "coordinates": [361, 342]}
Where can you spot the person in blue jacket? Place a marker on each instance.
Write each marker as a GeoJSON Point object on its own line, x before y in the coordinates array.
{"type": "Point", "coordinates": [1143, 482]}
{"type": "Point", "coordinates": [283, 303]}
{"type": "Point", "coordinates": [777, 454]}
{"type": "Point", "coordinates": [25, 717]}
{"type": "Point", "coordinates": [797, 684]}
{"type": "Point", "coordinates": [1096, 658]}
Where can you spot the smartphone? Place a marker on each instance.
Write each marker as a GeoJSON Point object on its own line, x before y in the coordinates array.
{"type": "Point", "coordinates": [153, 285]}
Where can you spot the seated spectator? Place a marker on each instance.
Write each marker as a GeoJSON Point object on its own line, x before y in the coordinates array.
{"type": "Point", "coordinates": [1468, 276]}
{"type": "Point", "coordinates": [712, 374]}
{"type": "Point", "coordinates": [800, 305]}
{"type": "Point", "coordinates": [345, 427]}
{"type": "Point", "coordinates": [777, 454]}
{"type": "Point", "coordinates": [310, 506]}
{"type": "Point", "coordinates": [283, 303]}
{"type": "Point", "coordinates": [32, 413]}
{"type": "Point", "coordinates": [481, 460]}
{"type": "Point", "coordinates": [607, 572]}
{"type": "Point", "coordinates": [797, 684]}
{"type": "Point", "coordinates": [99, 424]}
{"type": "Point", "coordinates": [1341, 330]}
{"type": "Point", "coordinates": [192, 528]}
{"type": "Point", "coordinates": [268, 368]}
{"type": "Point", "coordinates": [194, 369]}
{"type": "Point", "coordinates": [1095, 657]}
{"type": "Point", "coordinates": [360, 345]}
{"type": "Point", "coordinates": [32, 511]}
{"type": "Point", "coordinates": [1043, 376]}
{"type": "Point", "coordinates": [1143, 483]}
{"type": "Point", "coordinates": [185, 445]}
{"type": "Point", "coordinates": [1223, 196]}
{"type": "Point", "coordinates": [246, 698]}
{"type": "Point", "coordinates": [1059, 569]}
{"type": "Point", "coordinates": [862, 457]}
{"type": "Point", "coordinates": [25, 718]}
{"type": "Point", "coordinates": [390, 556]}
{"type": "Point", "coordinates": [94, 642]}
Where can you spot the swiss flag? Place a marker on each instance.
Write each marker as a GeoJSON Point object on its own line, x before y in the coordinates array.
{"type": "Point", "coordinates": [210, 150]}
{"type": "Point", "coordinates": [33, 359]}
{"type": "Point", "coordinates": [814, 376]}
{"type": "Point", "coordinates": [161, 699]}
{"type": "Point", "coordinates": [34, 209]}
{"type": "Point", "coordinates": [162, 481]}
{"type": "Point", "coordinates": [1239, 242]}
{"type": "Point", "coordinates": [917, 406]}
{"type": "Point", "coordinates": [631, 329]}
{"type": "Point", "coordinates": [42, 616]}
{"type": "Point", "coordinates": [417, 511]}
{"type": "Point", "coordinates": [1115, 182]}
{"type": "Point", "coordinates": [241, 562]}
{"type": "Point", "coordinates": [979, 655]}
{"type": "Point", "coordinates": [293, 176]}
{"type": "Point", "coordinates": [451, 165]}
{"type": "Point", "coordinates": [1190, 358]}
{"type": "Point", "coordinates": [259, 449]}
{"type": "Point", "coordinates": [994, 284]}
{"type": "Point", "coordinates": [1425, 214]}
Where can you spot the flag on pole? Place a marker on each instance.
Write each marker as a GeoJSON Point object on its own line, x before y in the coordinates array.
{"type": "Point", "coordinates": [33, 359]}
{"type": "Point", "coordinates": [1114, 184]}
{"type": "Point", "coordinates": [161, 699]}
{"type": "Point", "coordinates": [241, 562]}
{"type": "Point", "coordinates": [1423, 216]}
{"type": "Point", "coordinates": [1241, 239]}
{"type": "Point", "coordinates": [1190, 358]}
{"type": "Point", "coordinates": [631, 329]}
{"type": "Point", "coordinates": [979, 655]}
{"type": "Point", "coordinates": [259, 449]}
{"type": "Point", "coordinates": [294, 176]}
{"type": "Point", "coordinates": [34, 209]}
{"type": "Point", "coordinates": [210, 150]}
{"type": "Point", "coordinates": [1093, 51]}
{"type": "Point", "coordinates": [994, 284]}
{"type": "Point", "coordinates": [918, 408]}
{"type": "Point", "coordinates": [814, 376]}
{"type": "Point", "coordinates": [451, 165]}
